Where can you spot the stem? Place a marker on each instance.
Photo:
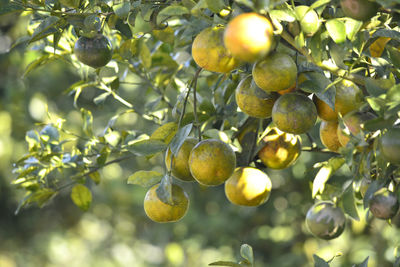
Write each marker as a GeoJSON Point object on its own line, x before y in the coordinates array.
{"type": "Point", "coordinates": [313, 144]}
{"type": "Point", "coordinates": [310, 149]}
{"type": "Point", "coordinates": [196, 119]}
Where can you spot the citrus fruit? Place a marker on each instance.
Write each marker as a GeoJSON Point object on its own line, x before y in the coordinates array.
{"type": "Point", "coordinates": [390, 145]}
{"type": "Point", "coordinates": [180, 163]}
{"type": "Point", "coordinates": [249, 36]}
{"type": "Point", "coordinates": [384, 204]}
{"type": "Point", "coordinates": [212, 162]}
{"type": "Point", "coordinates": [209, 52]}
{"type": "Point", "coordinates": [328, 135]}
{"type": "Point", "coordinates": [280, 150]}
{"type": "Point", "coordinates": [276, 72]}
{"type": "Point", "coordinates": [348, 97]}
{"type": "Point", "coordinates": [159, 211]}
{"type": "Point", "coordinates": [325, 221]}
{"type": "Point", "coordinates": [95, 52]}
{"type": "Point", "coordinates": [294, 113]}
{"type": "Point", "coordinates": [308, 19]}
{"type": "Point", "coordinates": [359, 9]}
{"type": "Point", "coordinates": [248, 186]}
{"type": "Point", "coordinates": [252, 100]}
{"type": "Point", "coordinates": [353, 122]}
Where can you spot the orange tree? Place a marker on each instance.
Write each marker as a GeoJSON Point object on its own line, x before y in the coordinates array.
{"type": "Point", "coordinates": [188, 58]}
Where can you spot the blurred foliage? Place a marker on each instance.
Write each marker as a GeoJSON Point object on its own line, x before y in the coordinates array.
{"type": "Point", "coordinates": [74, 122]}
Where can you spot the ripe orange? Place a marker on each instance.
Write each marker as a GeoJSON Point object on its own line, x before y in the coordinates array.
{"type": "Point", "coordinates": [294, 113]}
{"type": "Point", "coordinates": [384, 204]}
{"type": "Point", "coordinates": [209, 52]}
{"type": "Point", "coordinates": [353, 122]}
{"type": "Point", "coordinates": [252, 100]}
{"type": "Point", "coordinates": [249, 36]}
{"type": "Point", "coordinates": [328, 135]}
{"type": "Point", "coordinates": [359, 9]}
{"type": "Point", "coordinates": [248, 186]}
{"type": "Point", "coordinates": [212, 162]}
{"type": "Point", "coordinates": [348, 97]}
{"type": "Point", "coordinates": [390, 145]}
{"type": "Point", "coordinates": [325, 221]}
{"type": "Point", "coordinates": [161, 212]}
{"type": "Point", "coordinates": [276, 72]}
{"type": "Point", "coordinates": [95, 52]}
{"type": "Point", "coordinates": [281, 149]}
{"type": "Point", "coordinates": [180, 163]}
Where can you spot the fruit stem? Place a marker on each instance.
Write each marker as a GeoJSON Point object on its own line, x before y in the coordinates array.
{"type": "Point", "coordinates": [196, 119]}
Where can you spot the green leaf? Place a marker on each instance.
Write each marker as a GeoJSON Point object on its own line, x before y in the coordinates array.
{"type": "Point", "coordinates": [95, 177]}
{"type": "Point", "coordinates": [172, 10]}
{"type": "Point", "coordinates": [375, 87]}
{"type": "Point", "coordinates": [92, 23]}
{"type": "Point", "coordinates": [372, 188]}
{"type": "Point", "coordinates": [376, 103]}
{"type": "Point", "coordinates": [319, 3]}
{"type": "Point", "coordinates": [81, 196]}
{"type": "Point", "coordinates": [215, 5]}
{"type": "Point", "coordinates": [33, 139]}
{"type": "Point", "coordinates": [10, 7]}
{"type": "Point", "coordinates": [145, 178]}
{"type": "Point", "coordinates": [225, 263]}
{"type": "Point", "coordinates": [145, 55]}
{"type": "Point", "coordinates": [122, 10]}
{"type": "Point", "coordinates": [87, 122]}
{"type": "Point", "coordinates": [394, 55]}
{"type": "Point", "coordinates": [394, 34]}
{"type": "Point", "coordinates": [348, 202]}
{"type": "Point", "coordinates": [45, 28]}
{"type": "Point", "coordinates": [180, 138]}
{"type": "Point", "coordinates": [36, 63]}
{"type": "Point", "coordinates": [246, 252]}
{"type": "Point", "coordinates": [49, 134]}
{"type": "Point", "coordinates": [319, 262]}
{"type": "Point", "coordinates": [164, 190]}
{"type": "Point", "coordinates": [363, 264]}
{"type": "Point", "coordinates": [379, 123]}
{"type": "Point", "coordinates": [325, 173]}
{"type": "Point", "coordinates": [147, 147]}
{"type": "Point", "coordinates": [352, 28]}
{"type": "Point", "coordinates": [337, 30]}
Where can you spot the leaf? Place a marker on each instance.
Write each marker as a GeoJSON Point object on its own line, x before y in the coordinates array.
{"type": "Point", "coordinates": [122, 10]}
{"type": "Point", "coordinates": [166, 35]}
{"type": "Point", "coordinates": [36, 63]}
{"type": "Point", "coordinates": [180, 138]}
{"type": "Point", "coordinates": [246, 252]}
{"type": "Point", "coordinates": [319, 262]}
{"type": "Point", "coordinates": [348, 202]}
{"type": "Point", "coordinates": [95, 177]}
{"type": "Point", "coordinates": [172, 10]}
{"type": "Point", "coordinates": [145, 178]}
{"type": "Point", "coordinates": [372, 188]}
{"type": "Point", "coordinates": [376, 103]}
{"type": "Point", "coordinates": [10, 7]}
{"type": "Point", "coordinates": [363, 264]}
{"type": "Point", "coordinates": [215, 5]}
{"type": "Point", "coordinates": [352, 28]}
{"type": "Point", "coordinates": [81, 196]}
{"type": "Point", "coordinates": [283, 15]}
{"type": "Point", "coordinates": [337, 30]}
{"type": "Point", "coordinates": [165, 132]}
{"type": "Point", "coordinates": [374, 87]}
{"type": "Point", "coordinates": [45, 28]}
{"type": "Point", "coordinates": [387, 33]}
{"type": "Point", "coordinates": [319, 3]}
{"type": "Point", "coordinates": [394, 55]}
{"type": "Point", "coordinates": [225, 263]}
{"type": "Point", "coordinates": [147, 147]}
{"type": "Point", "coordinates": [49, 134]}
{"type": "Point", "coordinates": [377, 47]}
{"type": "Point", "coordinates": [164, 190]}
{"type": "Point", "coordinates": [145, 55]}
{"type": "Point", "coordinates": [325, 173]}
{"type": "Point", "coordinates": [87, 122]}
{"type": "Point", "coordinates": [128, 48]}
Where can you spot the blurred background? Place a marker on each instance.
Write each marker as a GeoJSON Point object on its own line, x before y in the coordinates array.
{"type": "Point", "coordinates": [115, 230]}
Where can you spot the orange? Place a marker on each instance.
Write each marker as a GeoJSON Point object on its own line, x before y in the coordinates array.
{"type": "Point", "coordinates": [248, 186]}
{"type": "Point", "coordinates": [161, 212]}
{"type": "Point", "coordinates": [390, 145]}
{"type": "Point", "coordinates": [249, 36]}
{"type": "Point", "coordinates": [180, 163]}
{"type": "Point", "coordinates": [325, 221]}
{"type": "Point", "coordinates": [359, 9]}
{"type": "Point", "coordinates": [308, 18]}
{"type": "Point", "coordinates": [280, 150]}
{"type": "Point", "coordinates": [353, 122]}
{"type": "Point", "coordinates": [276, 72]}
{"type": "Point", "coordinates": [95, 52]}
{"type": "Point", "coordinates": [328, 135]}
{"type": "Point", "coordinates": [300, 79]}
{"type": "Point", "coordinates": [384, 204]}
{"type": "Point", "coordinates": [209, 52]}
{"type": "Point", "coordinates": [252, 100]}
{"type": "Point", "coordinates": [348, 97]}
{"type": "Point", "coordinates": [212, 162]}
{"type": "Point", "coordinates": [294, 113]}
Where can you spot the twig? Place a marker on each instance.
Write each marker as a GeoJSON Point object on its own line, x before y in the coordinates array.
{"type": "Point", "coordinates": [196, 119]}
